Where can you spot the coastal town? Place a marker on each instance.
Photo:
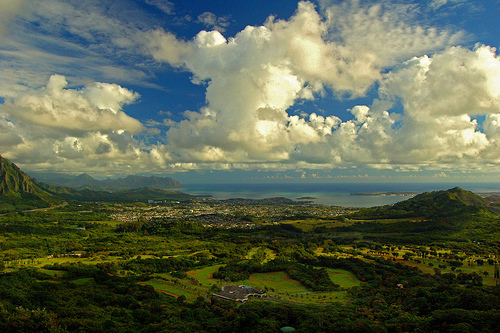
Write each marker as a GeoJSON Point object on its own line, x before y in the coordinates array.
{"type": "Point", "coordinates": [227, 214]}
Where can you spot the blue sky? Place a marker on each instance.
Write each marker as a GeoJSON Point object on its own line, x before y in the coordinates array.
{"type": "Point", "coordinates": [260, 91]}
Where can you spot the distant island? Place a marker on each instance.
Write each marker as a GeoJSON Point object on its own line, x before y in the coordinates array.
{"type": "Point", "coordinates": [307, 198]}
{"type": "Point", "coordinates": [388, 194]}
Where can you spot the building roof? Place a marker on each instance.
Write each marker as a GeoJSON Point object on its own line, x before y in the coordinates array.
{"type": "Point", "coordinates": [239, 293]}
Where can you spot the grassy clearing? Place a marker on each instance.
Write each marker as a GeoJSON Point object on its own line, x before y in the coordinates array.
{"type": "Point", "coordinates": [252, 252]}
{"type": "Point", "coordinates": [278, 282]}
{"type": "Point", "coordinates": [304, 225]}
{"type": "Point", "coordinates": [175, 290]}
{"type": "Point", "coordinates": [52, 273]}
{"type": "Point", "coordinates": [343, 278]}
{"type": "Point", "coordinates": [204, 275]}
{"type": "Point", "coordinates": [280, 285]}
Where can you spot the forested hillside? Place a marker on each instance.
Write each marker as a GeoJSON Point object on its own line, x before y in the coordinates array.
{"type": "Point", "coordinates": [18, 191]}
{"type": "Point", "coordinates": [452, 214]}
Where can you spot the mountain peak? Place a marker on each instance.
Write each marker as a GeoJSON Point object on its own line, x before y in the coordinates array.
{"type": "Point", "coordinates": [18, 190]}
{"type": "Point", "coordinates": [448, 203]}
{"type": "Point", "coordinates": [456, 195]}
{"type": "Point", "coordinates": [84, 176]}
{"type": "Point", "coordinates": [13, 181]}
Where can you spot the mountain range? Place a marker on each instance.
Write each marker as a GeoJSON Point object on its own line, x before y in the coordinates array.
{"type": "Point", "coordinates": [453, 213]}
{"type": "Point", "coordinates": [84, 181]}
{"type": "Point", "coordinates": [19, 192]}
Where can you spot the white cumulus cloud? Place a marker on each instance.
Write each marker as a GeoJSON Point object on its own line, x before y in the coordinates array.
{"type": "Point", "coordinates": [94, 108]}
{"type": "Point", "coordinates": [254, 77]}
{"type": "Point", "coordinates": [438, 103]}
{"type": "Point", "coordinates": [69, 128]}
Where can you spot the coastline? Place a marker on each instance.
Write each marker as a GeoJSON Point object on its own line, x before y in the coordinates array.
{"type": "Point", "coordinates": [359, 195]}
{"type": "Point", "coordinates": [387, 194]}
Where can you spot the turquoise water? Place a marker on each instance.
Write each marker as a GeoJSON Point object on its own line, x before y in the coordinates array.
{"type": "Point", "coordinates": [331, 194]}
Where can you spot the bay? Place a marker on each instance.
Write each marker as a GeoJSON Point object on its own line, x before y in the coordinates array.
{"type": "Point", "coordinates": [335, 194]}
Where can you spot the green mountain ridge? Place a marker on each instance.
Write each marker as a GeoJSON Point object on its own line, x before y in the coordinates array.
{"type": "Point", "coordinates": [18, 191]}
{"type": "Point", "coordinates": [141, 194]}
{"type": "Point", "coordinates": [447, 203]}
{"type": "Point", "coordinates": [454, 213]}
{"type": "Point", "coordinates": [85, 181]}
{"type": "Point", "coordinates": [14, 182]}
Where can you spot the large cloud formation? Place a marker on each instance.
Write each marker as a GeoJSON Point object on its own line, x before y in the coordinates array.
{"type": "Point", "coordinates": [438, 104]}
{"type": "Point", "coordinates": [255, 77]}
{"type": "Point", "coordinates": [71, 127]}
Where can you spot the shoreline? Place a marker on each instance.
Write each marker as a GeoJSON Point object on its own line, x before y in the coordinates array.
{"type": "Point", "coordinates": [387, 194]}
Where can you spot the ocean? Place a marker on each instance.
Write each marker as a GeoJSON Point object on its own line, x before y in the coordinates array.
{"type": "Point", "coordinates": [339, 194]}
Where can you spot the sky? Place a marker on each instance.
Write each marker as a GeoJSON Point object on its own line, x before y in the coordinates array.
{"type": "Point", "coordinates": [253, 91]}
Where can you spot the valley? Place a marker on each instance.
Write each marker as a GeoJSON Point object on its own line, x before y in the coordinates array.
{"type": "Point", "coordinates": [430, 263]}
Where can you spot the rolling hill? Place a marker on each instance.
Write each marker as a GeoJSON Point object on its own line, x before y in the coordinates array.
{"type": "Point", "coordinates": [453, 202]}
{"type": "Point", "coordinates": [454, 213]}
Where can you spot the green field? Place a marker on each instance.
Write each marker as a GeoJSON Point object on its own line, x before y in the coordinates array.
{"type": "Point", "coordinates": [343, 278]}
{"type": "Point", "coordinates": [53, 273]}
{"type": "Point", "coordinates": [278, 285]}
{"type": "Point", "coordinates": [175, 290]}
{"type": "Point", "coordinates": [176, 287]}
{"type": "Point", "coordinates": [204, 275]}
{"type": "Point", "coordinates": [278, 282]}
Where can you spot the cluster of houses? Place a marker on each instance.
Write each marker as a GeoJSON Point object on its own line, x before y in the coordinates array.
{"type": "Point", "coordinates": [222, 214]}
